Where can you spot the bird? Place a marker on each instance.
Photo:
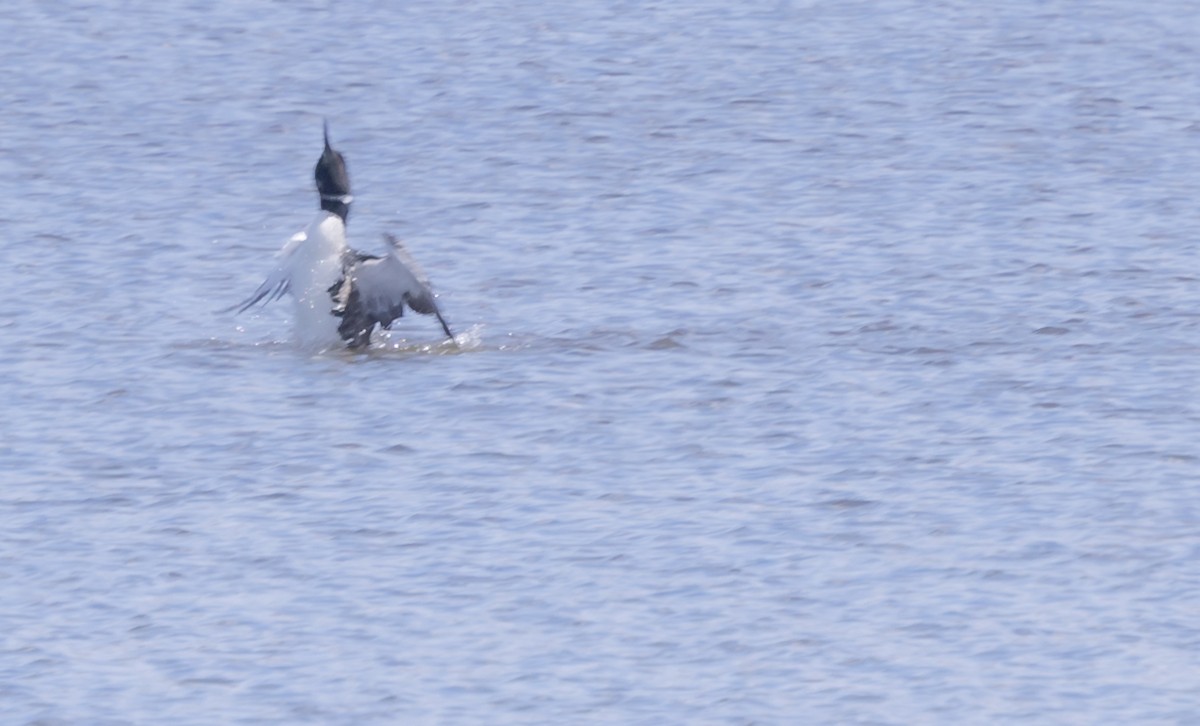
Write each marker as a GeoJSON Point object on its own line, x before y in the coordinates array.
{"type": "Point", "coordinates": [341, 294]}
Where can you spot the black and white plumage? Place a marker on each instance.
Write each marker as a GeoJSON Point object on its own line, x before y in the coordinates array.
{"type": "Point", "coordinates": [375, 290]}
{"type": "Point", "coordinates": [341, 294]}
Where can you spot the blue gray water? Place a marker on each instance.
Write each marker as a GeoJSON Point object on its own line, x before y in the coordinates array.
{"type": "Point", "coordinates": [823, 362]}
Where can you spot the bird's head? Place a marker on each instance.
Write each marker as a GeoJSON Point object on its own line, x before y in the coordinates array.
{"type": "Point", "coordinates": [333, 183]}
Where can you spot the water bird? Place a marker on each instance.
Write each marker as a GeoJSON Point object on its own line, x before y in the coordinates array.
{"type": "Point", "coordinates": [341, 294]}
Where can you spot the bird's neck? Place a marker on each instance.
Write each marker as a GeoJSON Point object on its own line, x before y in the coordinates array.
{"type": "Point", "coordinates": [336, 206]}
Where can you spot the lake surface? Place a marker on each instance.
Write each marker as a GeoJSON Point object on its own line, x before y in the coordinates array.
{"type": "Point", "coordinates": [819, 362]}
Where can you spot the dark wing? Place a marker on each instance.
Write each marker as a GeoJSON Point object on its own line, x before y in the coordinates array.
{"type": "Point", "coordinates": [278, 281]}
{"type": "Point", "coordinates": [377, 289]}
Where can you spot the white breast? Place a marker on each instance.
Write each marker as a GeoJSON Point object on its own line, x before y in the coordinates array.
{"type": "Point", "coordinates": [313, 267]}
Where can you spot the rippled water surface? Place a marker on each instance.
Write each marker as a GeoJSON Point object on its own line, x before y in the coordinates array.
{"type": "Point", "coordinates": [821, 362]}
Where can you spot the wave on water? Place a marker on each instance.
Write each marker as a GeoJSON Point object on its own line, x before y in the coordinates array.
{"type": "Point", "coordinates": [464, 341]}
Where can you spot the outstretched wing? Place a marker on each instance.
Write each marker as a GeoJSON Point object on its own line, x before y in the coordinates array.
{"type": "Point", "coordinates": [377, 289]}
{"type": "Point", "coordinates": [278, 282]}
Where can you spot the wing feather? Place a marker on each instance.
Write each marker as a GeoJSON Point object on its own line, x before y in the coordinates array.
{"type": "Point", "coordinates": [278, 281]}
{"type": "Point", "coordinates": [379, 290]}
